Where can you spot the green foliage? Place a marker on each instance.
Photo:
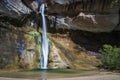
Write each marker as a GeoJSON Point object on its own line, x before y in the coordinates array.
{"type": "Point", "coordinates": [36, 37]}
{"type": "Point", "coordinates": [110, 57]}
{"type": "Point", "coordinates": [115, 1]}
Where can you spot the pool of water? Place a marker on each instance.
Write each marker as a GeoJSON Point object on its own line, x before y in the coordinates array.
{"type": "Point", "coordinates": [57, 73]}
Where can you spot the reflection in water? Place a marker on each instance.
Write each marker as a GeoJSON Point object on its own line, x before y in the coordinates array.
{"type": "Point", "coordinates": [44, 75]}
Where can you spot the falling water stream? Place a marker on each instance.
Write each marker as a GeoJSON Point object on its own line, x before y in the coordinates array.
{"type": "Point", "coordinates": [44, 54]}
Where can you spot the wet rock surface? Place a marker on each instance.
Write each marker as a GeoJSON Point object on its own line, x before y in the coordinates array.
{"type": "Point", "coordinates": [20, 50]}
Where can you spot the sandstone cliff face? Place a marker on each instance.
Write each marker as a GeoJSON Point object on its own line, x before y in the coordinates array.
{"type": "Point", "coordinates": [20, 49]}
{"type": "Point", "coordinates": [96, 16]}
{"type": "Point", "coordinates": [13, 8]}
{"type": "Point", "coordinates": [96, 22]}
{"type": "Point", "coordinates": [92, 19]}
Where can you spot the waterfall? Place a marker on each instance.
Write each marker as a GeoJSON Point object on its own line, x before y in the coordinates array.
{"type": "Point", "coordinates": [45, 51]}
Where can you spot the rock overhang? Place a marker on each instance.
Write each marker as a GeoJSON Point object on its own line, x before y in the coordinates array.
{"type": "Point", "coordinates": [92, 19]}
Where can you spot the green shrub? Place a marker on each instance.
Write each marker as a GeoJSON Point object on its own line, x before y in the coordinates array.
{"type": "Point", "coordinates": [110, 57]}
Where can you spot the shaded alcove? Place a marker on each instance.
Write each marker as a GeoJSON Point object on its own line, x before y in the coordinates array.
{"type": "Point", "coordinates": [88, 40]}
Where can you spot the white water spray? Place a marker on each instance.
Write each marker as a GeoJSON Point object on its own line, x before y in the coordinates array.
{"type": "Point", "coordinates": [45, 51]}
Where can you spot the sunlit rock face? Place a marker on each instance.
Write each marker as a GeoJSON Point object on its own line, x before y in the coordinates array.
{"type": "Point", "coordinates": [56, 60]}
{"type": "Point", "coordinates": [21, 50]}
{"type": "Point", "coordinates": [13, 8]}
